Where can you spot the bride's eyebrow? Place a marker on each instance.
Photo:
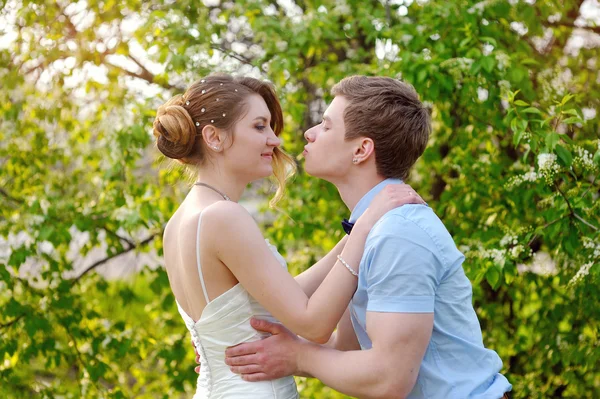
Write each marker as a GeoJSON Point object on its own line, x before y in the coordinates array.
{"type": "Point", "coordinates": [261, 118]}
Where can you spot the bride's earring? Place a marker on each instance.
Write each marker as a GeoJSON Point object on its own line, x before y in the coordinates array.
{"type": "Point", "coordinates": [354, 160]}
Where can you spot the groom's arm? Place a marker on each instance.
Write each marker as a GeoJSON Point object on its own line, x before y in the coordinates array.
{"type": "Point", "coordinates": [276, 356]}
{"type": "Point", "coordinates": [388, 370]}
{"type": "Point", "coordinates": [403, 275]}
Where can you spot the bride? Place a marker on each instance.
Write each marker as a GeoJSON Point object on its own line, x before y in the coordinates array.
{"type": "Point", "coordinates": [220, 268]}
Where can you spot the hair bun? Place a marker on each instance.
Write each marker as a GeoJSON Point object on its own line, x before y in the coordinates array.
{"type": "Point", "coordinates": [174, 129]}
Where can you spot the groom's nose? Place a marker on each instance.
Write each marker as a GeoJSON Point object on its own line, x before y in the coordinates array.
{"type": "Point", "coordinates": [309, 135]}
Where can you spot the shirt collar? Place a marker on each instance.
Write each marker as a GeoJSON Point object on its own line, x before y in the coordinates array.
{"type": "Point", "coordinates": [365, 201]}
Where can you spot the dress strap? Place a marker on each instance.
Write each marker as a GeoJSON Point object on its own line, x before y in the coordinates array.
{"type": "Point", "coordinates": [198, 260]}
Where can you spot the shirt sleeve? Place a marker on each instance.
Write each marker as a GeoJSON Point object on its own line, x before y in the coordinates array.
{"type": "Point", "coordinates": [403, 271]}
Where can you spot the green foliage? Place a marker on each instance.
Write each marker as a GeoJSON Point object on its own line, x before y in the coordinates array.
{"type": "Point", "coordinates": [511, 169]}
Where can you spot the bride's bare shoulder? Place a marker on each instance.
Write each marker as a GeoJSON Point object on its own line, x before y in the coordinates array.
{"type": "Point", "coordinates": [225, 211]}
{"type": "Point", "coordinates": [228, 218]}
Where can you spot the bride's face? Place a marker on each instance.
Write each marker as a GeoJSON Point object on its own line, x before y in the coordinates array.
{"type": "Point", "coordinates": [250, 151]}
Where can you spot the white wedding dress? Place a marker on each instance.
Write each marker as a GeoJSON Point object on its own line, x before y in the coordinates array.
{"type": "Point", "coordinates": [225, 322]}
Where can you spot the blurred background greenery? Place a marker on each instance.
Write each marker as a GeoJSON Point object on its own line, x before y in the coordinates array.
{"type": "Point", "coordinates": [511, 168]}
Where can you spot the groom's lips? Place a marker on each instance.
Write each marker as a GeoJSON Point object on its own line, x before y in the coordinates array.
{"type": "Point", "coordinates": [305, 151]}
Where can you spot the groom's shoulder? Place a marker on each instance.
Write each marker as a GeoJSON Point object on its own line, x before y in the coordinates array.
{"type": "Point", "coordinates": [411, 228]}
{"type": "Point", "coordinates": [414, 223]}
{"type": "Point", "coordinates": [412, 218]}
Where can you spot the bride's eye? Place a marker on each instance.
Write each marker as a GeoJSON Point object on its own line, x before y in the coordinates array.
{"type": "Point", "coordinates": [260, 128]}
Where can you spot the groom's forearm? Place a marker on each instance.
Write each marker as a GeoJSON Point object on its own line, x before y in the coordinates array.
{"type": "Point", "coordinates": [330, 344]}
{"type": "Point", "coordinates": [360, 373]}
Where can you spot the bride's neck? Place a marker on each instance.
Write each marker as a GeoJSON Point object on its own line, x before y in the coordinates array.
{"type": "Point", "coordinates": [229, 185]}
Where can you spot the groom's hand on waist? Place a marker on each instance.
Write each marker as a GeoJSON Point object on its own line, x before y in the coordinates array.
{"type": "Point", "coordinates": [197, 368]}
{"type": "Point", "coordinates": [268, 359]}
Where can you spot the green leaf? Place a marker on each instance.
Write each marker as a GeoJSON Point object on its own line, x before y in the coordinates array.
{"type": "Point", "coordinates": [571, 112]}
{"type": "Point", "coordinates": [597, 157]}
{"type": "Point", "coordinates": [493, 276]}
{"type": "Point", "coordinates": [521, 103]}
{"type": "Point", "coordinates": [464, 42]}
{"type": "Point", "coordinates": [489, 40]}
{"type": "Point", "coordinates": [531, 110]}
{"type": "Point", "coordinates": [488, 63]}
{"type": "Point", "coordinates": [564, 155]}
{"type": "Point", "coordinates": [566, 99]}
{"type": "Point", "coordinates": [572, 120]}
{"type": "Point", "coordinates": [551, 140]}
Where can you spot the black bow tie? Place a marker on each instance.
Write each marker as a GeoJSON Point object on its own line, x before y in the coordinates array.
{"type": "Point", "coordinates": [347, 226]}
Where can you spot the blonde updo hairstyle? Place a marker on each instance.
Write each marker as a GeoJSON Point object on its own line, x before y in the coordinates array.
{"type": "Point", "coordinates": [220, 101]}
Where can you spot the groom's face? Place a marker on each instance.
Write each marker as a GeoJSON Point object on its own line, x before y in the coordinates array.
{"type": "Point", "coordinates": [327, 154]}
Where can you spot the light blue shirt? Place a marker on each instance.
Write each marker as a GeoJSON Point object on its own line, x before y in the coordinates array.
{"type": "Point", "coordinates": [411, 265]}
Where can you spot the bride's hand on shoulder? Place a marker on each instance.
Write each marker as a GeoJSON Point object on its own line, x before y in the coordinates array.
{"type": "Point", "coordinates": [392, 196]}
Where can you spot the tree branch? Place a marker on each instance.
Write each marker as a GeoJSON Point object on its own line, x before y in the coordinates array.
{"type": "Point", "coordinates": [582, 220]}
{"type": "Point", "coordinates": [125, 239]}
{"type": "Point", "coordinates": [108, 258]}
{"type": "Point", "coordinates": [590, 187]}
{"type": "Point", "coordinates": [6, 195]}
{"type": "Point", "coordinates": [571, 24]}
{"type": "Point", "coordinates": [571, 211]}
{"type": "Point", "coordinates": [233, 55]}
{"type": "Point", "coordinates": [13, 321]}
{"type": "Point", "coordinates": [145, 75]}
{"type": "Point", "coordinates": [544, 227]}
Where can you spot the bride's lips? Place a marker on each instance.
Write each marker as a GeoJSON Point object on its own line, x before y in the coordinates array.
{"type": "Point", "coordinates": [267, 155]}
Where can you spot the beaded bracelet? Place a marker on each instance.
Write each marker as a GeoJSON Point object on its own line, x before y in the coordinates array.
{"type": "Point", "coordinates": [347, 266]}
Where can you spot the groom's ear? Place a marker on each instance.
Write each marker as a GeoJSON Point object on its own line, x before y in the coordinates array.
{"type": "Point", "coordinates": [365, 149]}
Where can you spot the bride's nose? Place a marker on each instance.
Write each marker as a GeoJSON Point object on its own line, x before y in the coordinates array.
{"type": "Point", "coordinates": [273, 141]}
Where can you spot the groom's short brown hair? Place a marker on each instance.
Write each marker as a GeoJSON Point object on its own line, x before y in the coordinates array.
{"type": "Point", "coordinates": [390, 113]}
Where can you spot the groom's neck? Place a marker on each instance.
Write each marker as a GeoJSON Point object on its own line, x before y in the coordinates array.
{"type": "Point", "coordinates": [353, 188]}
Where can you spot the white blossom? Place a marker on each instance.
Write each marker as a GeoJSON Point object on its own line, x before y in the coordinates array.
{"type": "Point", "coordinates": [498, 256]}
{"type": "Point", "coordinates": [588, 113]}
{"type": "Point", "coordinates": [594, 246]}
{"type": "Point", "coordinates": [584, 159]}
{"type": "Point", "coordinates": [406, 38]}
{"type": "Point", "coordinates": [503, 61]}
{"type": "Point", "coordinates": [508, 239]}
{"type": "Point", "coordinates": [487, 49]}
{"type": "Point", "coordinates": [541, 264]}
{"type": "Point", "coordinates": [342, 8]}
{"type": "Point", "coordinates": [548, 166]}
{"type": "Point", "coordinates": [581, 273]}
{"type": "Point", "coordinates": [554, 17]}
{"type": "Point", "coordinates": [530, 177]}
{"type": "Point", "coordinates": [281, 45]}
{"type": "Point", "coordinates": [546, 161]}
{"type": "Point", "coordinates": [482, 94]}
{"type": "Point", "coordinates": [516, 251]}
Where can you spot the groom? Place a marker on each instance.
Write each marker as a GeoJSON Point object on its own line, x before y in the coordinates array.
{"type": "Point", "coordinates": [410, 330]}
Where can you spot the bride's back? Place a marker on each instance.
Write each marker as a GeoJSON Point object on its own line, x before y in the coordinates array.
{"type": "Point", "coordinates": [182, 244]}
{"type": "Point", "coordinates": [223, 319]}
